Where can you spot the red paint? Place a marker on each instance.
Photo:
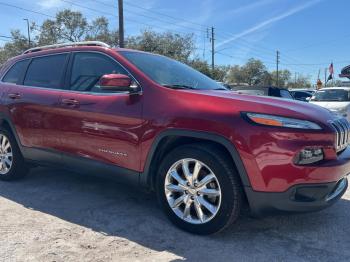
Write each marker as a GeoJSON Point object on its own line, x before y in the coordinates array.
{"type": "Point", "coordinates": [115, 80]}
{"type": "Point", "coordinates": [129, 124]}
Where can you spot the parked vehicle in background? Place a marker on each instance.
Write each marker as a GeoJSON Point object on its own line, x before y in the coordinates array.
{"type": "Point", "coordinates": [336, 99]}
{"type": "Point", "coordinates": [206, 151]}
{"type": "Point", "coordinates": [304, 96]}
{"type": "Point", "coordinates": [263, 91]}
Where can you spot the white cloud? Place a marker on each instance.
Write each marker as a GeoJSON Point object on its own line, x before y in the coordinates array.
{"type": "Point", "coordinates": [48, 4]}
{"type": "Point", "coordinates": [249, 7]}
{"type": "Point", "coordinates": [269, 22]}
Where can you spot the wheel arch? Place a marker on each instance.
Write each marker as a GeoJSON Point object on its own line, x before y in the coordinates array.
{"type": "Point", "coordinates": [169, 139]}
{"type": "Point", "coordinates": [6, 122]}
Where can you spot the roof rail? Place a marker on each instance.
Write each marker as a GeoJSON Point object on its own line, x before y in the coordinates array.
{"type": "Point", "coordinates": [71, 44]}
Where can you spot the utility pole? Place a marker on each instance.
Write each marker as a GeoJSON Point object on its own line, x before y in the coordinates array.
{"type": "Point", "coordinates": [28, 30]}
{"type": "Point", "coordinates": [277, 67]}
{"type": "Point", "coordinates": [212, 39]}
{"type": "Point", "coordinates": [121, 23]}
{"type": "Point", "coordinates": [325, 77]}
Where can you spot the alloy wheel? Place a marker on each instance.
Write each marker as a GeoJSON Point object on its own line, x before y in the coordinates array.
{"type": "Point", "coordinates": [6, 155]}
{"type": "Point", "coordinates": [193, 191]}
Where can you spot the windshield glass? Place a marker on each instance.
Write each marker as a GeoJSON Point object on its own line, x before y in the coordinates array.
{"type": "Point", "coordinates": [331, 95]}
{"type": "Point", "coordinates": [285, 94]}
{"type": "Point", "coordinates": [170, 73]}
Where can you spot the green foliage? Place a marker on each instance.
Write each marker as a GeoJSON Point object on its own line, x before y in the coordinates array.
{"type": "Point", "coordinates": [72, 26]}
{"type": "Point", "coordinates": [254, 72]}
{"type": "Point", "coordinates": [168, 44]}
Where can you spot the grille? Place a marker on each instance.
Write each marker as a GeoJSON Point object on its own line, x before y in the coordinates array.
{"type": "Point", "coordinates": [342, 134]}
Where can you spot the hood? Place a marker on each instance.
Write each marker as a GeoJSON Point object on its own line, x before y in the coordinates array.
{"type": "Point", "coordinates": [333, 105]}
{"type": "Point", "coordinates": [270, 105]}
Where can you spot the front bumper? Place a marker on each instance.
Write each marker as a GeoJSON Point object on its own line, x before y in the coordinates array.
{"type": "Point", "coordinates": [299, 198]}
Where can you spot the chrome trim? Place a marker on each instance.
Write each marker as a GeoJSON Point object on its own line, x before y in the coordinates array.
{"type": "Point", "coordinates": [340, 187]}
{"type": "Point", "coordinates": [30, 58]}
{"type": "Point", "coordinates": [342, 133]}
{"type": "Point", "coordinates": [73, 91]}
{"type": "Point", "coordinates": [71, 44]}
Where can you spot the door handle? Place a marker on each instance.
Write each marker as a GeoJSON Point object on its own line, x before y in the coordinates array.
{"type": "Point", "coordinates": [14, 96]}
{"type": "Point", "coordinates": [70, 102]}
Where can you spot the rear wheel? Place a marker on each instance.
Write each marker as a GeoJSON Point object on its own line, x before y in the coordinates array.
{"type": "Point", "coordinates": [12, 165]}
{"type": "Point", "coordinates": [199, 189]}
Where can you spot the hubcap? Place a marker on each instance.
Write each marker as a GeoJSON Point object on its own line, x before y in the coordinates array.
{"type": "Point", "coordinates": [6, 156]}
{"type": "Point", "coordinates": [192, 191]}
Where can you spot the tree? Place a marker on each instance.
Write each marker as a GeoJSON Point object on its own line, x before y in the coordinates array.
{"type": "Point", "coordinates": [99, 31]}
{"type": "Point", "coordinates": [300, 82]}
{"type": "Point", "coordinates": [284, 76]}
{"type": "Point", "coordinates": [167, 44]}
{"type": "Point", "coordinates": [200, 65]}
{"type": "Point", "coordinates": [18, 44]}
{"type": "Point", "coordinates": [254, 72]}
{"type": "Point", "coordinates": [235, 75]}
{"type": "Point", "coordinates": [68, 26]}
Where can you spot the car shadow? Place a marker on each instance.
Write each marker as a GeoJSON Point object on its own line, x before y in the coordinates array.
{"type": "Point", "coordinates": [122, 211]}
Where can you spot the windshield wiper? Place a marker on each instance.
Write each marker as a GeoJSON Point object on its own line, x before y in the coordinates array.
{"type": "Point", "coordinates": [179, 86]}
{"type": "Point", "coordinates": [221, 88]}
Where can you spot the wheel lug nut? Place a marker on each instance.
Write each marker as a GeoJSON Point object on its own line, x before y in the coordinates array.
{"type": "Point", "coordinates": [188, 184]}
{"type": "Point", "coordinates": [186, 192]}
{"type": "Point", "coordinates": [198, 194]}
{"type": "Point", "coordinates": [192, 197]}
{"type": "Point", "coordinates": [195, 184]}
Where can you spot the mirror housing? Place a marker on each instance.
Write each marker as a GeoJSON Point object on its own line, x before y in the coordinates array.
{"type": "Point", "coordinates": [118, 83]}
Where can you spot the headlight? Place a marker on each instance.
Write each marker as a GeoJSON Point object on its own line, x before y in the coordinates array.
{"type": "Point", "coordinates": [279, 121]}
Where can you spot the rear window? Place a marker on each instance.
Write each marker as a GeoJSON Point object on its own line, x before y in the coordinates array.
{"type": "Point", "coordinates": [16, 72]}
{"type": "Point", "coordinates": [46, 71]}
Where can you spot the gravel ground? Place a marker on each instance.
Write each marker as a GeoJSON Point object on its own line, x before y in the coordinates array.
{"type": "Point", "coordinates": [59, 216]}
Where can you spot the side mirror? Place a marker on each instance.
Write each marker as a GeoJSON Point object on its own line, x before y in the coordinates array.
{"type": "Point", "coordinates": [118, 83]}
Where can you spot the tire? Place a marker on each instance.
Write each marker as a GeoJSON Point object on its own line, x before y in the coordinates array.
{"type": "Point", "coordinates": [18, 168]}
{"type": "Point", "coordinates": [225, 198]}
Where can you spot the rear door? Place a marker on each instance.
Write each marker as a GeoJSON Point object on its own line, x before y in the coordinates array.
{"type": "Point", "coordinates": [100, 125]}
{"type": "Point", "coordinates": [34, 102]}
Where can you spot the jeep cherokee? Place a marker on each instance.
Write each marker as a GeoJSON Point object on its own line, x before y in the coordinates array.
{"type": "Point", "coordinates": [148, 119]}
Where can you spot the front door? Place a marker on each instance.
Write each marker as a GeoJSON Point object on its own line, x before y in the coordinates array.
{"type": "Point", "coordinates": [97, 125]}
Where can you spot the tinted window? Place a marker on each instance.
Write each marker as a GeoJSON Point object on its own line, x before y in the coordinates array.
{"type": "Point", "coordinates": [286, 94]}
{"type": "Point", "coordinates": [46, 71]}
{"type": "Point", "coordinates": [16, 72]}
{"type": "Point", "coordinates": [170, 73]}
{"type": "Point", "coordinates": [88, 68]}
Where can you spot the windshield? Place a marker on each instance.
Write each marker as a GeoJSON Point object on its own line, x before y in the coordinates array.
{"type": "Point", "coordinates": [170, 73]}
{"type": "Point", "coordinates": [331, 95]}
{"type": "Point", "coordinates": [285, 94]}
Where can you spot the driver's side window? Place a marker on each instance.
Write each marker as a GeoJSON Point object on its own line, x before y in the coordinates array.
{"type": "Point", "coordinates": [88, 68]}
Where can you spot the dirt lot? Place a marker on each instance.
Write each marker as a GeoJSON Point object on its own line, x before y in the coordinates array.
{"type": "Point", "coordinates": [60, 216]}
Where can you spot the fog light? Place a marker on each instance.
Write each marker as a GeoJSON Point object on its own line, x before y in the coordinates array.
{"type": "Point", "coordinates": [309, 156]}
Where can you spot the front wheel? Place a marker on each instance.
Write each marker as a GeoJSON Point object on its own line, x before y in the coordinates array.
{"type": "Point", "coordinates": [199, 189]}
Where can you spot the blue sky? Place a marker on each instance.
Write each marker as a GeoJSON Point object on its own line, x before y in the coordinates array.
{"type": "Point", "coordinates": [309, 34]}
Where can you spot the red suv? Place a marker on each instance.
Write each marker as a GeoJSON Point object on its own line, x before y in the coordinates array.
{"type": "Point", "coordinates": [206, 151]}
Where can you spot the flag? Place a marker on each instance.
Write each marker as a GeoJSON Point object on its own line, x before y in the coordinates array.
{"type": "Point", "coordinates": [331, 69]}
{"type": "Point", "coordinates": [331, 72]}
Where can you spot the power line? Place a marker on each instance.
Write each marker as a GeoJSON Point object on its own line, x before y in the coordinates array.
{"type": "Point", "coordinates": [126, 19]}
{"type": "Point", "coordinates": [150, 17]}
{"type": "Point", "coordinates": [166, 15]}
{"type": "Point", "coordinates": [25, 9]}
{"type": "Point", "coordinates": [4, 36]}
